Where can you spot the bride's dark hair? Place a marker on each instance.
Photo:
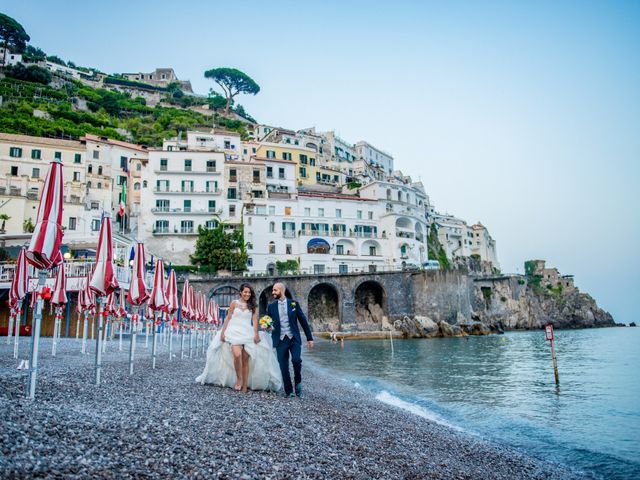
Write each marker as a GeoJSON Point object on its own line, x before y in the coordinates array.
{"type": "Point", "coordinates": [251, 303]}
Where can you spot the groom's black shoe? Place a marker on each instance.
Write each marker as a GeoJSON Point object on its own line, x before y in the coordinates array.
{"type": "Point", "coordinates": [298, 390]}
{"type": "Point", "coordinates": [289, 395]}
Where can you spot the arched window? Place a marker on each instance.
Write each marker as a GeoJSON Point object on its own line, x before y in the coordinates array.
{"type": "Point", "coordinates": [399, 196]}
{"type": "Point", "coordinates": [272, 247]}
{"type": "Point", "coordinates": [100, 170]}
{"type": "Point", "coordinates": [88, 184]}
{"type": "Point", "coordinates": [272, 227]}
{"type": "Point", "coordinates": [136, 186]}
{"type": "Point", "coordinates": [144, 184]}
{"type": "Point", "coordinates": [388, 194]}
{"type": "Point", "coordinates": [90, 169]}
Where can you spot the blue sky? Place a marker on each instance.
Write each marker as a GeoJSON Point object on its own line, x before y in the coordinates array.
{"type": "Point", "coordinates": [523, 115]}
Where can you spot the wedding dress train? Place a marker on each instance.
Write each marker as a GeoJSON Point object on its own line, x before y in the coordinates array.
{"type": "Point", "coordinates": [264, 370]}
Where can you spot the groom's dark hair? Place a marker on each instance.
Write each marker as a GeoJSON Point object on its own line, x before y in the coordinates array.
{"type": "Point", "coordinates": [252, 302]}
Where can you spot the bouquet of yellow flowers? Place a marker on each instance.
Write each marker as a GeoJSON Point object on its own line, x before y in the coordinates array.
{"type": "Point", "coordinates": [265, 322]}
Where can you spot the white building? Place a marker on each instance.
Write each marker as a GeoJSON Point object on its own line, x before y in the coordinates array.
{"type": "Point", "coordinates": [185, 189]}
{"type": "Point", "coordinates": [375, 157]}
{"type": "Point", "coordinates": [9, 58]}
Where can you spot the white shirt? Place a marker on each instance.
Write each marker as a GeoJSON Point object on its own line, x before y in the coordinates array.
{"type": "Point", "coordinates": [285, 327]}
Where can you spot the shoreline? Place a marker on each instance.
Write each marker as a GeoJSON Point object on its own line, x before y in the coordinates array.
{"type": "Point", "coordinates": [161, 424]}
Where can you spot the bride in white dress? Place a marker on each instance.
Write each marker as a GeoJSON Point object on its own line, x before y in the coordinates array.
{"type": "Point", "coordinates": [240, 356]}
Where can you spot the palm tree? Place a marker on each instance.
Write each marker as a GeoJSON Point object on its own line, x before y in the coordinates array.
{"type": "Point", "coordinates": [4, 217]}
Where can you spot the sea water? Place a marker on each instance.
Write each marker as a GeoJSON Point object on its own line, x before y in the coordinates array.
{"type": "Point", "coordinates": [502, 387]}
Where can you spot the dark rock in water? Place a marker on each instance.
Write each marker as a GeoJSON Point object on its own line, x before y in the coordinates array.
{"type": "Point", "coordinates": [632, 324]}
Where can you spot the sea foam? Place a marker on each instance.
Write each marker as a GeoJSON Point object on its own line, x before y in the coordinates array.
{"type": "Point", "coordinates": [390, 399]}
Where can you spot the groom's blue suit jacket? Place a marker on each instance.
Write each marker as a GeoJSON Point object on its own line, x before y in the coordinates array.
{"type": "Point", "coordinates": [295, 315]}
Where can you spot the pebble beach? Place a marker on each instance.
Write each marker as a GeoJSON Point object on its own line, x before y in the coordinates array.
{"type": "Point", "coordinates": [159, 423]}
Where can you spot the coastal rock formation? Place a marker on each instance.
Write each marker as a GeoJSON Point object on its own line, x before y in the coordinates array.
{"type": "Point", "coordinates": [515, 305]}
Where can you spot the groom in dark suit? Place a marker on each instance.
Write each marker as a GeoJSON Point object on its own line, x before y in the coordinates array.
{"type": "Point", "coordinates": [286, 337]}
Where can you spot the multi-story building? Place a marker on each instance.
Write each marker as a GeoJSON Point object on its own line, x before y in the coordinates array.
{"type": "Point", "coordinates": [462, 240]}
{"type": "Point", "coordinates": [484, 245]}
{"type": "Point", "coordinates": [185, 189]}
{"type": "Point", "coordinates": [304, 159]}
{"type": "Point", "coordinates": [324, 232]}
{"type": "Point", "coordinates": [375, 157]}
{"type": "Point", "coordinates": [24, 163]}
{"type": "Point", "coordinates": [161, 77]}
{"type": "Point", "coordinates": [110, 165]}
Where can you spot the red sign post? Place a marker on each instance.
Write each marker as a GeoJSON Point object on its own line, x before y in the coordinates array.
{"type": "Point", "coordinates": [548, 331]}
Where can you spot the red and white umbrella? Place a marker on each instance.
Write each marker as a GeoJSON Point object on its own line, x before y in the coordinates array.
{"type": "Point", "coordinates": [104, 280]}
{"type": "Point", "coordinates": [89, 299]}
{"type": "Point", "coordinates": [184, 304]}
{"type": "Point", "coordinates": [110, 305]}
{"type": "Point", "coordinates": [158, 299]}
{"type": "Point", "coordinates": [20, 280]}
{"type": "Point", "coordinates": [121, 311]}
{"type": "Point", "coordinates": [137, 289]}
{"type": "Point", "coordinates": [211, 316]}
{"type": "Point", "coordinates": [172, 294]}
{"type": "Point", "coordinates": [59, 295]}
{"type": "Point", "coordinates": [44, 249]}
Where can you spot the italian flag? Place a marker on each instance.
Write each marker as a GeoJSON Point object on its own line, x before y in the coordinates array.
{"type": "Point", "coordinates": [123, 199]}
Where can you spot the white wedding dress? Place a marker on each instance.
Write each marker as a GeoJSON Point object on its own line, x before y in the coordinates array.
{"type": "Point", "coordinates": [264, 370]}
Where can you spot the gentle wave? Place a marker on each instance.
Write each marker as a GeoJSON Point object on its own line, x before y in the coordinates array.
{"type": "Point", "coordinates": [390, 399]}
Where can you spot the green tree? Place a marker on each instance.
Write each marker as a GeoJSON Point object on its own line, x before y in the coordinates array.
{"type": "Point", "coordinates": [12, 35]}
{"type": "Point", "coordinates": [32, 73]}
{"type": "Point", "coordinates": [232, 82]}
{"type": "Point", "coordinates": [33, 54]}
{"type": "Point", "coordinates": [219, 249]}
{"type": "Point", "coordinates": [28, 226]}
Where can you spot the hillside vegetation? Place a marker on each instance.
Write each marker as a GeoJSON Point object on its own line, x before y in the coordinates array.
{"type": "Point", "coordinates": [73, 109]}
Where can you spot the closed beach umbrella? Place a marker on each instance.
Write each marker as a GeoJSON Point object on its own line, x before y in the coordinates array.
{"type": "Point", "coordinates": [103, 280]}
{"type": "Point", "coordinates": [184, 304]}
{"type": "Point", "coordinates": [59, 295]}
{"type": "Point", "coordinates": [44, 249]}
{"type": "Point", "coordinates": [16, 296]}
{"type": "Point", "coordinates": [171, 294]}
{"type": "Point", "coordinates": [137, 289]}
{"type": "Point", "coordinates": [137, 295]}
{"type": "Point", "coordinates": [88, 304]}
{"type": "Point", "coordinates": [158, 299]}
{"type": "Point", "coordinates": [121, 311]}
{"type": "Point", "coordinates": [157, 303]}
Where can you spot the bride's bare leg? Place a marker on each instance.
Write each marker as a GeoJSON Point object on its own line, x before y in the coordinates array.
{"type": "Point", "coordinates": [245, 370]}
{"type": "Point", "coordinates": [237, 364]}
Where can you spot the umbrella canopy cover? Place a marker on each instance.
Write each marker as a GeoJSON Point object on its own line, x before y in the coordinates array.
{"type": "Point", "coordinates": [158, 300]}
{"type": "Point", "coordinates": [59, 296]}
{"type": "Point", "coordinates": [19, 282]}
{"type": "Point", "coordinates": [172, 294]}
{"type": "Point", "coordinates": [137, 289]}
{"type": "Point", "coordinates": [44, 249]}
{"type": "Point", "coordinates": [104, 280]}
{"type": "Point", "coordinates": [184, 304]}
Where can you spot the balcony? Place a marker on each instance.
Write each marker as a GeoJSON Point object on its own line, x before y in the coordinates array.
{"type": "Point", "coordinates": [233, 179]}
{"type": "Point", "coordinates": [182, 211]}
{"type": "Point", "coordinates": [207, 171]}
{"type": "Point", "coordinates": [288, 234]}
{"type": "Point", "coordinates": [166, 191]}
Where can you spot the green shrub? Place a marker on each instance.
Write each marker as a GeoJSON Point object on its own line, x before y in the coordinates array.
{"type": "Point", "coordinates": [32, 73]}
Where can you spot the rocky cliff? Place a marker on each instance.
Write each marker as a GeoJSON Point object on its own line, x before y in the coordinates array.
{"type": "Point", "coordinates": [495, 304]}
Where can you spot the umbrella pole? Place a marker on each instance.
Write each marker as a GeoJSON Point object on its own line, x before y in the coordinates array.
{"type": "Point", "coordinates": [10, 330]}
{"type": "Point", "coordinates": [85, 330]}
{"type": "Point", "coordinates": [190, 341]}
{"type": "Point", "coordinates": [16, 337]}
{"type": "Point", "coordinates": [100, 301]}
{"type": "Point", "coordinates": [170, 339]}
{"type": "Point", "coordinates": [105, 336]}
{"type": "Point", "coordinates": [132, 347]}
{"type": "Point", "coordinates": [146, 333]}
{"type": "Point", "coordinates": [120, 341]}
{"type": "Point", "coordinates": [78, 326]}
{"type": "Point", "coordinates": [54, 342]}
{"type": "Point", "coordinates": [154, 341]}
{"type": "Point", "coordinates": [182, 343]}
{"type": "Point", "coordinates": [35, 338]}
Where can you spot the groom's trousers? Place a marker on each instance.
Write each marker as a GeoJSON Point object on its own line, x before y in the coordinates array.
{"type": "Point", "coordinates": [290, 346]}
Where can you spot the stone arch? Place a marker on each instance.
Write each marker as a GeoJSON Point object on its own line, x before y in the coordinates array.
{"type": "Point", "coordinates": [345, 247]}
{"type": "Point", "coordinates": [370, 303]}
{"type": "Point", "coordinates": [323, 307]}
{"type": "Point", "coordinates": [370, 248]}
{"type": "Point", "coordinates": [265, 298]}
